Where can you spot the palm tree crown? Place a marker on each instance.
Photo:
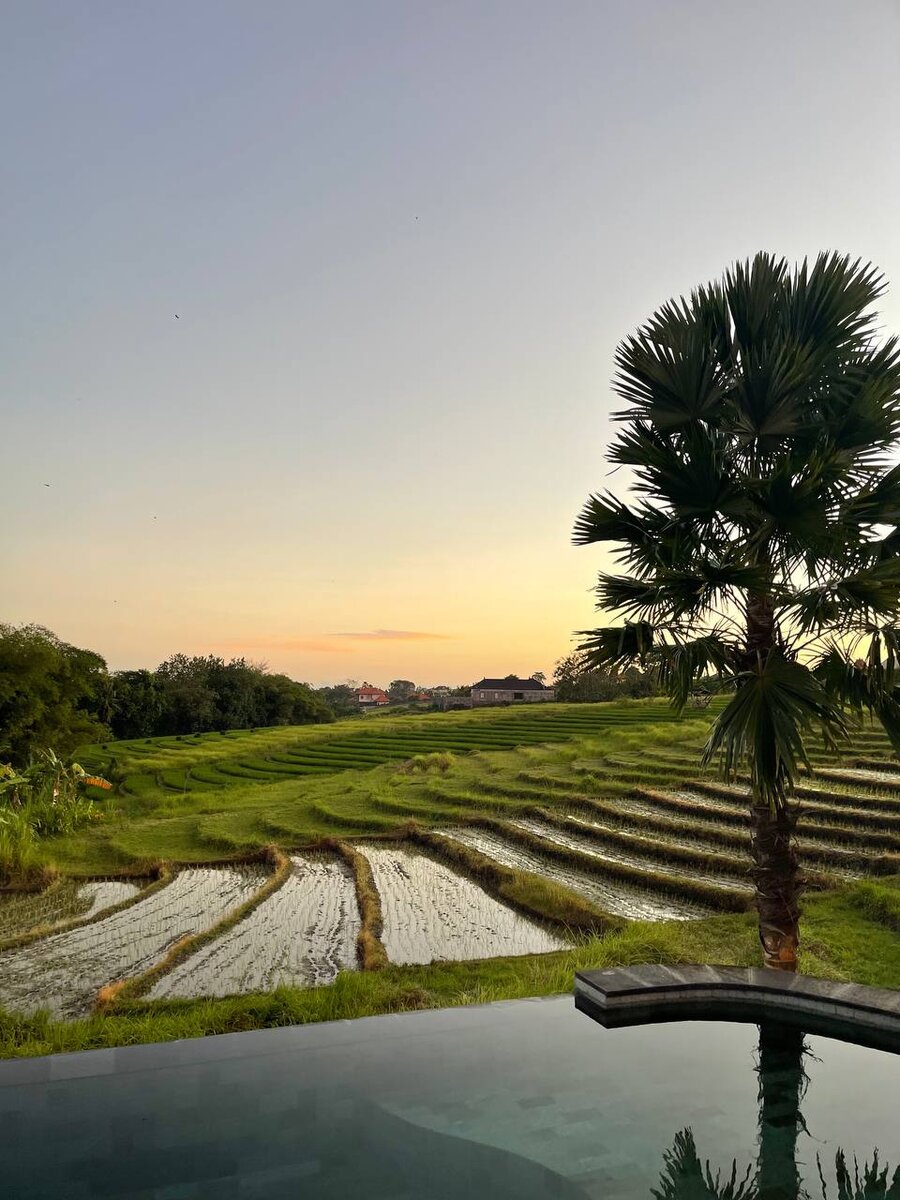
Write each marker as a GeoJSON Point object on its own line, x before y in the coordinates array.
{"type": "Point", "coordinates": [762, 545]}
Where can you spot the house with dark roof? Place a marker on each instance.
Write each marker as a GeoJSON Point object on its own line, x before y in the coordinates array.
{"type": "Point", "coordinates": [511, 690]}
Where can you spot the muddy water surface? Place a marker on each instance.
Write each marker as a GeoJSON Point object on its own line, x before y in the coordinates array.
{"type": "Point", "coordinates": [302, 935]}
{"type": "Point", "coordinates": [68, 900]}
{"type": "Point", "coordinates": [620, 899]}
{"type": "Point", "coordinates": [63, 972]}
{"type": "Point", "coordinates": [431, 913]}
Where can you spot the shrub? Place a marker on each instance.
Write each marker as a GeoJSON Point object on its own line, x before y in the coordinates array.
{"type": "Point", "coordinates": [47, 797]}
{"type": "Point", "coordinates": [18, 849]}
{"type": "Point", "coordinates": [439, 761]}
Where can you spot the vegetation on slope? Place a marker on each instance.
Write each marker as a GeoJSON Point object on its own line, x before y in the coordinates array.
{"type": "Point", "coordinates": [623, 776]}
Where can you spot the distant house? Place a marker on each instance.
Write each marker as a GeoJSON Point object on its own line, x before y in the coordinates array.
{"type": "Point", "coordinates": [511, 690]}
{"type": "Point", "coordinates": [420, 698]}
{"type": "Point", "coordinates": [440, 690]}
{"type": "Point", "coordinates": [370, 697]}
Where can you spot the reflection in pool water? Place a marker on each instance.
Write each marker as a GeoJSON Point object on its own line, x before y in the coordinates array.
{"type": "Point", "coordinates": [526, 1100]}
{"type": "Point", "coordinates": [778, 1171]}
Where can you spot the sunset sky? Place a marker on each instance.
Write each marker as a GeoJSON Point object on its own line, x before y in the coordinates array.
{"type": "Point", "coordinates": [402, 241]}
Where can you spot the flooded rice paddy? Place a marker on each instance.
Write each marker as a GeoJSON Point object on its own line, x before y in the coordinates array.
{"type": "Point", "coordinates": [63, 972]}
{"type": "Point", "coordinates": [433, 914]}
{"type": "Point", "coordinates": [584, 843]}
{"type": "Point", "coordinates": [691, 839]}
{"type": "Point", "coordinates": [843, 860]}
{"type": "Point", "coordinates": [869, 778]}
{"type": "Point", "coordinates": [611, 895]}
{"type": "Point", "coordinates": [302, 935]}
{"type": "Point", "coordinates": [65, 901]}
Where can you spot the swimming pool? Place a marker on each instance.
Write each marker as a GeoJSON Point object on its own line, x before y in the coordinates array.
{"type": "Point", "coordinates": [527, 1099]}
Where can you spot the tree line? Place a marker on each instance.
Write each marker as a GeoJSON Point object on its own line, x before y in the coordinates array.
{"type": "Point", "coordinates": [56, 695]}
{"type": "Point", "coordinates": [59, 696]}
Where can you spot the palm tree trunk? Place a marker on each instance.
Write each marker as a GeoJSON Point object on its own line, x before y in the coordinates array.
{"type": "Point", "coordinates": [777, 884]}
{"type": "Point", "coordinates": [776, 870]}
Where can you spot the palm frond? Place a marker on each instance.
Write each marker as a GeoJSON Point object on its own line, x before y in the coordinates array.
{"type": "Point", "coordinates": [682, 664]}
{"type": "Point", "coordinates": [876, 504]}
{"type": "Point", "coordinates": [606, 519]}
{"type": "Point", "coordinates": [668, 371]}
{"type": "Point", "coordinates": [617, 647]}
{"type": "Point", "coordinates": [851, 601]}
{"type": "Point", "coordinates": [778, 702]}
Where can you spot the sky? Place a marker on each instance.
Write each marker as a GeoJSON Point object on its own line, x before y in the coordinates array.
{"type": "Point", "coordinates": [402, 241]}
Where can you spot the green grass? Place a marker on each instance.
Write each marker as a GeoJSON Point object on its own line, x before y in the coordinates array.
{"type": "Point", "coordinates": [186, 800]}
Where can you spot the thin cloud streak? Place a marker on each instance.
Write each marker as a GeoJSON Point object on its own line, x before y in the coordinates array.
{"type": "Point", "coordinates": [396, 635]}
{"type": "Point", "coordinates": [312, 645]}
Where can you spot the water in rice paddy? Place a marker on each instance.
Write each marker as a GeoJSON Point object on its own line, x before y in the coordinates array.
{"type": "Point", "coordinates": [68, 900]}
{"type": "Point", "coordinates": [302, 935]}
{"type": "Point", "coordinates": [431, 913]}
{"type": "Point", "coordinates": [861, 775]}
{"type": "Point", "coordinates": [585, 844]}
{"type": "Point", "coordinates": [611, 895]}
{"type": "Point", "coordinates": [62, 973]}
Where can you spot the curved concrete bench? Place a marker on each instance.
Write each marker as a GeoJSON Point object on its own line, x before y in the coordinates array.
{"type": "Point", "coordinates": [644, 995]}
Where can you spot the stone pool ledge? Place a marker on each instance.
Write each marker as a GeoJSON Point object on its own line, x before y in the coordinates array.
{"type": "Point", "coordinates": [642, 995]}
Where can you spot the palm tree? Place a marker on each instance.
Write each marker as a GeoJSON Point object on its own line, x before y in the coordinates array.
{"type": "Point", "coordinates": [762, 547]}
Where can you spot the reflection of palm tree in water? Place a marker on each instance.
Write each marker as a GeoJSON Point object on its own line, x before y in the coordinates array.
{"type": "Point", "coordinates": [782, 1086]}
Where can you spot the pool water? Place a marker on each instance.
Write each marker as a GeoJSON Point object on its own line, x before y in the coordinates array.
{"type": "Point", "coordinates": [527, 1099]}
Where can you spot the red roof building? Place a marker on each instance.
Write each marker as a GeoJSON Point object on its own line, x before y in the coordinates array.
{"type": "Point", "coordinates": [371, 696]}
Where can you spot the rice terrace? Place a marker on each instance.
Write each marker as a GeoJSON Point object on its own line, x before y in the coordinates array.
{"type": "Point", "coordinates": [394, 862]}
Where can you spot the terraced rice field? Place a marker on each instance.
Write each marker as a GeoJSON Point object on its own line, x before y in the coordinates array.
{"type": "Point", "coordinates": [202, 762]}
{"type": "Point", "coordinates": [594, 843]}
{"type": "Point", "coordinates": [610, 895]}
{"type": "Point", "coordinates": [608, 803]}
{"type": "Point", "coordinates": [62, 973]}
{"type": "Point", "coordinates": [302, 935]}
{"type": "Point", "coordinates": [433, 914]}
{"type": "Point", "coordinates": [63, 902]}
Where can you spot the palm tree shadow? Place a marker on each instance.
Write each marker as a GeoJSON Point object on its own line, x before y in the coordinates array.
{"type": "Point", "coordinates": [776, 1174]}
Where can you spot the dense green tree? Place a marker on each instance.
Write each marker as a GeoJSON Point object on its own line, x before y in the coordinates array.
{"type": "Point", "coordinates": [205, 693]}
{"type": "Point", "coordinates": [49, 693]}
{"type": "Point", "coordinates": [53, 696]}
{"type": "Point", "coordinates": [340, 698]}
{"type": "Point", "coordinates": [762, 545]}
{"type": "Point", "coordinates": [400, 690]}
{"type": "Point", "coordinates": [137, 704]}
{"type": "Point", "coordinates": [286, 702]}
{"type": "Point", "coordinates": [576, 681]}
{"type": "Point", "coordinates": [189, 703]}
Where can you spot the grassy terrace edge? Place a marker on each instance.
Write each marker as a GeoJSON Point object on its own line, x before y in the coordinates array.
{"type": "Point", "coordinates": [848, 934]}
